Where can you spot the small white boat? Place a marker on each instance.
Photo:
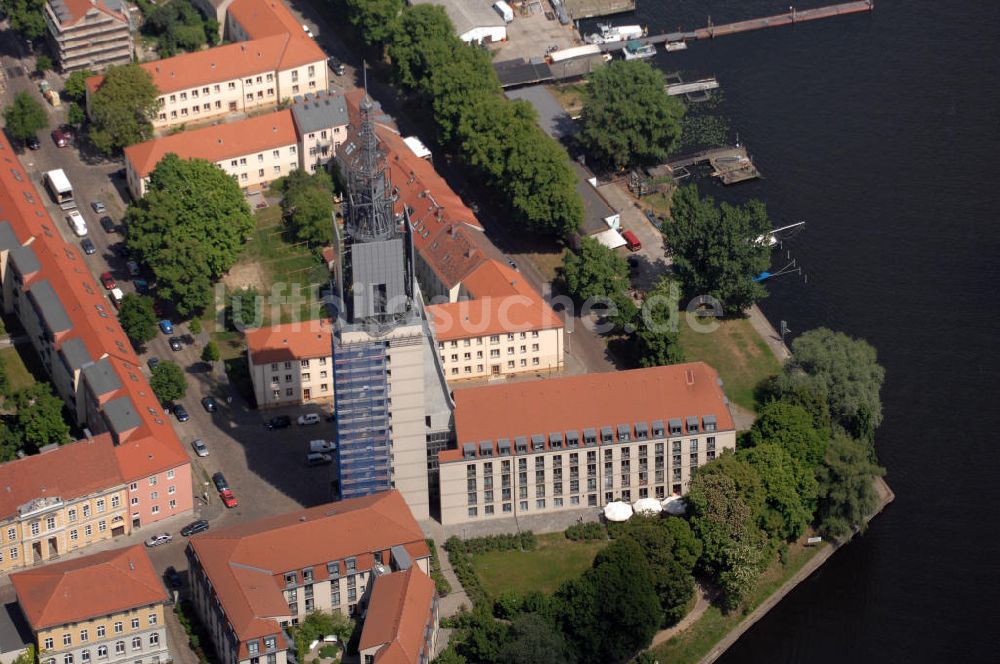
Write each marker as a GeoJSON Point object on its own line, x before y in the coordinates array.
{"type": "Point", "coordinates": [675, 46]}
{"type": "Point", "coordinates": [635, 51]}
{"type": "Point", "coordinates": [610, 34]}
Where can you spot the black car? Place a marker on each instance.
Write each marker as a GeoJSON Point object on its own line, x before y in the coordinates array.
{"type": "Point", "coordinates": [279, 422]}
{"type": "Point", "coordinates": [180, 412]}
{"type": "Point", "coordinates": [337, 66]}
{"type": "Point", "coordinates": [175, 344]}
{"type": "Point", "coordinates": [208, 403]}
{"type": "Point", "coordinates": [194, 528]}
{"type": "Point", "coordinates": [108, 224]}
{"type": "Point", "coordinates": [174, 577]}
{"type": "Point", "coordinates": [152, 362]}
{"type": "Point", "coordinates": [33, 143]}
{"type": "Point", "coordinates": [220, 481]}
{"type": "Point", "coordinates": [88, 246]}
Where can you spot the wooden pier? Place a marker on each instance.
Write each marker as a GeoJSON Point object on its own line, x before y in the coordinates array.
{"type": "Point", "coordinates": [703, 85]}
{"type": "Point", "coordinates": [578, 9]}
{"type": "Point", "coordinates": [790, 17]}
{"type": "Point", "coordinates": [730, 164]}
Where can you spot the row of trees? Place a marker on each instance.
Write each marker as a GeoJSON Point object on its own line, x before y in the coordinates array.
{"type": "Point", "coordinates": [33, 419]}
{"type": "Point", "coordinates": [456, 82]}
{"type": "Point", "coordinates": [177, 27]}
{"type": "Point", "coordinates": [27, 17]}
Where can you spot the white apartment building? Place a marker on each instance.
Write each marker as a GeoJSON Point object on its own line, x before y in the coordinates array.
{"type": "Point", "coordinates": [581, 441]}
{"type": "Point", "coordinates": [89, 34]}
{"type": "Point", "coordinates": [291, 363]}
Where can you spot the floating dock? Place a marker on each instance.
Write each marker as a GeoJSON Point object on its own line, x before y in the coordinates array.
{"type": "Point", "coordinates": [703, 85]}
{"type": "Point", "coordinates": [578, 9]}
{"type": "Point", "coordinates": [731, 164]}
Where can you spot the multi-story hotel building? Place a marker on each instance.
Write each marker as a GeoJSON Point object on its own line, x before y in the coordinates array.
{"type": "Point", "coordinates": [254, 151]}
{"type": "Point", "coordinates": [291, 363]}
{"type": "Point", "coordinates": [270, 60]}
{"type": "Point", "coordinates": [107, 607]}
{"type": "Point", "coordinates": [71, 324]}
{"type": "Point", "coordinates": [89, 34]}
{"type": "Point", "coordinates": [59, 501]}
{"type": "Point", "coordinates": [581, 441]}
{"type": "Point", "coordinates": [251, 581]}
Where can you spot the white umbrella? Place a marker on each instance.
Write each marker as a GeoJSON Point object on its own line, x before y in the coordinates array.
{"type": "Point", "coordinates": [617, 511]}
{"type": "Point", "coordinates": [675, 505]}
{"type": "Point", "coordinates": [647, 506]}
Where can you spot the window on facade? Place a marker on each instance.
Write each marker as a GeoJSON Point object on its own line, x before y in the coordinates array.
{"type": "Point", "coordinates": [100, 631]}
{"type": "Point", "coordinates": [35, 528]}
{"type": "Point", "coordinates": [135, 623]}
{"type": "Point", "coordinates": [102, 651]}
{"type": "Point", "coordinates": [119, 627]}
{"type": "Point", "coordinates": [136, 643]}
{"type": "Point", "coordinates": [48, 643]}
{"type": "Point", "coordinates": [116, 501]}
{"type": "Point", "coordinates": [85, 656]}
{"type": "Point", "coordinates": [119, 647]}
{"type": "Point", "coordinates": [154, 639]}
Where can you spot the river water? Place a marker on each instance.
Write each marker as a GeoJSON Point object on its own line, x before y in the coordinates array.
{"type": "Point", "coordinates": [882, 130]}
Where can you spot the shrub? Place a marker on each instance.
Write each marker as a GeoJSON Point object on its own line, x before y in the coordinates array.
{"type": "Point", "coordinates": [582, 532]}
{"type": "Point", "coordinates": [440, 583]}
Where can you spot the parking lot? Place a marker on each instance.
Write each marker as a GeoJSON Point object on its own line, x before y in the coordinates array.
{"type": "Point", "coordinates": [532, 34]}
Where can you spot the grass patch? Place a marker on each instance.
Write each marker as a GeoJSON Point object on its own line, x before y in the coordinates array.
{"type": "Point", "coordinates": [556, 560]}
{"type": "Point", "coordinates": [547, 263]}
{"type": "Point", "coordinates": [18, 374]}
{"type": "Point", "coordinates": [739, 354]}
{"type": "Point", "coordinates": [570, 96]}
{"type": "Point", "coordinates": [659, 203]}
{"type": "Point", "coordinates": [694, 643]}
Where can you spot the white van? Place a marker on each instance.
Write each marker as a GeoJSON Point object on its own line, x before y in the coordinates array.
{"type": "Point", "coordinates": [77, 223]}
{"type": "Point", "coordinates": [504, 10]}
{"type": "Point", "coordinates": [321, 446]}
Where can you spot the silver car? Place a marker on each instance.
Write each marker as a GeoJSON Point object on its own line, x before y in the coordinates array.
{"type": "Point", "coordinates": [200, 448]}
{"type": "Point", "coordinates": [157, 540]}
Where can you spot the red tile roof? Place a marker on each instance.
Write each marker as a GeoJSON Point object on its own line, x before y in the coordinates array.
{"type": "Point", "coordinates": [246, 562]}
{"type": "Point", "coordinates": [290, 341]}
{"type": "Point", "coordinates": [69, 472]}
{"type": "Point", "coordinates": [399, 610]}
{"type": "Point", "coordinates": [217, 142]}
{"type": "Point", "coordinates": [88, 587]}
{"type": "Point", "coordinates": [79, 8]}
{"type": "Point", "coordinates": [151, 447]}
{"type": "Point", "coordinates": [574, 403]}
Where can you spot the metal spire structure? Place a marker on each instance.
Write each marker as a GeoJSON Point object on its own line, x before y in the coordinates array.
{"type": "Point", "coordinates": [368, 212]}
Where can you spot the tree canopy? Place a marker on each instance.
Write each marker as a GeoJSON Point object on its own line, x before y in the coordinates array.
{"type": "Point", "coordinates": [658, 329]}
{"type": "Point", "coordinates": [789, 426]}
{"type": "Point", "coordinates": [628, 118]}
{"type": "Point", "coordinates": [594, 271]}
{"type": "Point", "coordinates": [122, 109]}
{"type": "Point", "coordinates": [27, 17]}
{"type": "Point", "coordinates": [178, 27]}
{"type": "Point", "coordinates": [716, 251]}
{"type": "Point", "coordinates": [789, 490]}
{"type": "Point", "coordinates": [39, 418]}
{"type": "Point", "coordinates": [138, 318]}
{"type": "Point", "coordinates": [188, 228]}
{"type": "Point", "coordinates": [846, 493]}
{"type": "Point", "coordinates": [374, 18]}
{"type": "Point", "coordinates": [422, 38]}
{"type": "Point", "coordinates": [168, 382]}
{"type": "Point", "coordinates": [532, 639]}
{"type": "Point", "coordinates": [76, 85]}
{"type": "Point", "coordinates": [25, 117]}
{"type": "Point", "coordinates": [307, 203]}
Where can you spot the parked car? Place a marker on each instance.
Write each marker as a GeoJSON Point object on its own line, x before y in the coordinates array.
{"type": "Point", "coordinates": [157, 540]}
{"type": "Point", "coordinates": [194, 528]}
{"type": "Point", "coordinates": [108, 224]}
{"type": "Point", "coordinates": [173, 577]}
{"type": "Point", "coordinates": [68, 132]}
{"type": "Point", "coordinates": [513, 265]}
{"type": "Point", "coordinates": [308, 419]}
{"type": "Point", "coordinates": [199, 446]}
{"type": "Point", "coordinates": [279, 422]}
{"type": "Point", "coordinates": [228, 498]}
{"type": "Point", "coordinates": [77, 223]}
{"type": "Point", "coordinates": [141, 286]}
{"type": "Point", "coordinates": [175, 344]}
{"type": "Point", "coordinates": [33, 143]}
{"type": "Point", "coordinates": [166, 326]}
{"type": "Point", "coordinates": [317, 459]}
{"type": "Point", "coordinates": [337, 66]}
{"type": "Point", "coordinates": [108, 281]}
{"type": "Point", "coordinates": [133, 268]}
{"type": "Point", "coordinates": [59, 138]}
{"type": "Point", "coordinates": [152, 362]}
{"type": "Point", "coordinates": [98, 207]}
{"type": "Point", "coordinates": [88, 246]}
{"type": "Point", "coordinates": [220, 481]}
{"type": "Point", "coordinates": [208, 403]}
{"type": "Point", "coordinates": [117, 295]}
{"type": "Point", "coordinates": [320, 446]}
{"type": "Point", "coordinates": [180, 412]}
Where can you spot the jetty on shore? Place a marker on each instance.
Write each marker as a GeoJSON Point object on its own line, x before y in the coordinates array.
{"type": "Point", "coordinates": [578, 9]}
{"type": "Point", "coordinates": [731, 164]}
{"type": "Point", "coordinates": [694, 91]}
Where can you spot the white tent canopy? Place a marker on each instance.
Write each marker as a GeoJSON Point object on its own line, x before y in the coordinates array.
{"type": "Point", "coordinates": [675, 505]}
{"type": "Point", "coordinates": [647, 506]}
{"type": "Point", "coordinates": [617, 511]}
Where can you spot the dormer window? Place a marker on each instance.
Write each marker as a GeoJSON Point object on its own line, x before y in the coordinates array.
{"type": "Point", "coordinates": [290, 578]}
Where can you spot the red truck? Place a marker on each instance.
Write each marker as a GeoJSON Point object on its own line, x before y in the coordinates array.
{"type": "Point", "coordinates": [631, 241]}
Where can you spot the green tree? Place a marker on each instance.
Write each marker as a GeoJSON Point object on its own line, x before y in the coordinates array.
{"type": "Point", "coordinates": [797, 389]}
{"type": "Point", "coordinates": [628, 118]}
{"type": "Point", "coordinates": [39, 420]}
{"type": "Point", "coordinates": [849, 371]}
{"type": "Point", "coordinates": [308, 206]}
{"type": "Point", "coordinates": [168, 382]}
{"type": "Point", "coordinates": [75, 115]}
{"type": "Point", "coordinates": [576, 608]}
{"type": "Point", "coordinates": [542, 186]}
{"type": "Point", "coordinates": [685, 545]}
{"type": "Point", "coordinates": [847, 493]}
{"type": "Point", "coordinates": [483, 637]}
{"type": "Point", "coordinates": [789, 490]}
{"type": "Point", "coordinates": [454, 83]}
{"type": "Point", "coordinates": [27, 657]}
{"type": "Point", "coordinates": [488, 130]}
{"type": "Point", "coordinates": [243, 310]}
{"type": "Point", "coordinates": [658, 328]}
{"type": "Point", "coordinates": [76, 85]}
{"type": "Point", "coordinates": [43, 63]}
{"type": "Point", "coordinates": [4, 380]}
{"type": "Point", "coordinates": [450, 656]}
{"type": "Point", "coordinates": [716, 250]}
{"type": "Point", "coordinates": [532, 639]}
{"type": "Point", "coordinates": [10, 443]}
{"type": "Point", "coordinates": [210, 353]}
{"type": "Point", "coordinates": [25, 117]}
{"type": "Point", "coordinates": [189, 228]}
{"type": "Point", "coordinates": [791, 427]}
{"type": "Point", "coordinates": [321, 623]}
{"type": "Point", "coordinates": [177, 26]}
{"type": "Point", "coordinates": [672, 582]}
{"type": "Point", "coordinates": [138, 318]}
{"type": "Point", "coordinates": [594, 271]}
{"type": "Point", "coordinates": [423, 36]}
{"type": "Point", "coordinates": [122, 108]}
{"type": "Point", "coordinates": [375, 18]}
{"type": "Point", "coordinates": [26, 17]}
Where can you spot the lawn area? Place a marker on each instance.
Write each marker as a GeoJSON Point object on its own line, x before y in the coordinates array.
{"type": "Point", "coordinates": [556, 559]}
{"type": "Point", "coordinates": [694, 643]}
{"type": "Point", "coordinates": [18, 374]}
{"type": "Point", "coordinates": [735, 349]}
{"type": "Point", "coordinates": [570, 96]}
